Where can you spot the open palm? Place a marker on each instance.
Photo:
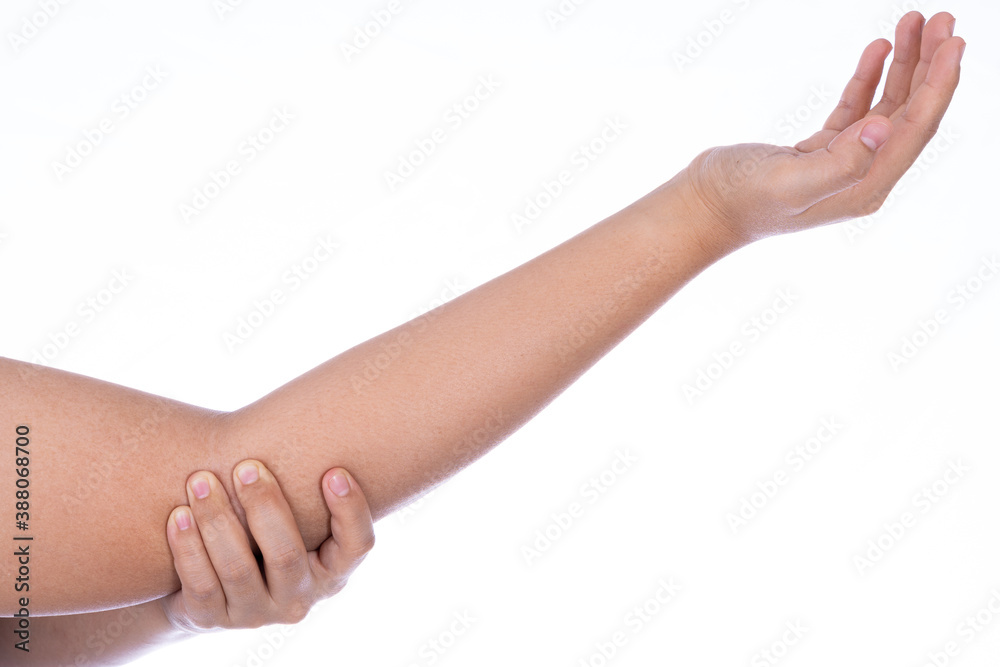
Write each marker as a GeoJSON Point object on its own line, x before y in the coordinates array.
{"type": "Point", "coordinates": [848, 168]}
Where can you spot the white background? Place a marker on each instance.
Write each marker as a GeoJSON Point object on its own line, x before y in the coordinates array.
{"type": "Point", "coordinates": [858, 291]}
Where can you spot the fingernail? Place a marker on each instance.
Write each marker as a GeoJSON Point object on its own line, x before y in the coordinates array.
{"type": "Point", "coordinates": [339, 484]}
{"type": "Point", "coordinates": [961, 51]}
{"type": "Point", "coordinates": [951, 28]}
{"type": "Point", "coordinates": [183, 519]}
{"type": "Point", "coordinates": [248, 473]}
{"type": "Point", "coordinates": [875, 134]}
{"type": "Point", "coordinates": [200, 488]}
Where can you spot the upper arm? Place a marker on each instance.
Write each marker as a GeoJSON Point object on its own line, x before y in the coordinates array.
{"type": "Point", "coordinates": [106, 464]}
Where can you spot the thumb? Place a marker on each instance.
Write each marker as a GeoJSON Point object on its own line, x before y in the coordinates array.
{"type": "Point", "coordinates": [351, 527]}
{"type": "Point", "coordinates": [844, 162]}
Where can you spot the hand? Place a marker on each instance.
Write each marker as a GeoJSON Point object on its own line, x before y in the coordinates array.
{"type": "Point", "coordinates": [847, 169]}
{"type": "Point", "coordinates": [222, 584]}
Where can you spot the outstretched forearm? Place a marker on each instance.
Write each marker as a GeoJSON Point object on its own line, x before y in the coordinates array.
{"type": "Point", "coordinates": [402, 411]}
{"type": "Point", "coordinates": [409, 408]}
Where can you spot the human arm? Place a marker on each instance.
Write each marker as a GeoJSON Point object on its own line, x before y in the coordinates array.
{"type": "Point", "coordinates": [411, 407]}
{"type": "Point", "coordinates": [223, 586]}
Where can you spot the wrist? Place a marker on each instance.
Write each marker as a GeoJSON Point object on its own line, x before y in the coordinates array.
{"type": "Point", "coordinates": [686, 213]}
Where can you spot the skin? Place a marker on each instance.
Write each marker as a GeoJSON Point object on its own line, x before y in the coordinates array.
{"type": "Point", "coordinates": [222, 585]}
{"type": "Point", "coordinates": [411, 407]}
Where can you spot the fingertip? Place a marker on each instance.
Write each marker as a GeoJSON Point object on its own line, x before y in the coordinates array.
{"type": "Point", "coordinates": [947, 17]}
{"type": "Point", "coordinates": [911, 25]}
{"type": "Point", "coordinates": [876, 132]}
{"type": "Point", "coordinates": [200, 484]}
{"type": "Point", "coordinates": [338, 481]}
{"type": "Point", "coordinates": [247, 472]}
{"type": "Point", "coordinates": [874, 56]}
{"type": "Point", "coordinates": [182, 518]}
{"type": "Point", "coordinates": [179, 525]}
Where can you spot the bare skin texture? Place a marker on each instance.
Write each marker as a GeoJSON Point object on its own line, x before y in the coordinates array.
{"type": "Point", "coordinates": [411, 407]}
{"type": "Point", "coordinates": [222, 584]}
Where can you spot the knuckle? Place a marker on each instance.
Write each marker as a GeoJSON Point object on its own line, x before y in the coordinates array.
{"type": "Point", "coordinates": [294, 613]}
{"type": "Point", "coordinates": [856, 168]}
{"type": "Point", "coordinates": [238, 572]}
{"type": "Point", "coordinates": [286, 558]}
{"type": "Point", "coordinates": [357, 549]}
{"type": "Point", "coordinates": [334, 586]}
{"type": "Point", "coordinates": [845, 105]}
{"type": "Point", "coordinates": [215, 525]}
{"type": "Point", "coordinates": [202, 592]}
{"type": "Point", "coordinates": [187, 550]}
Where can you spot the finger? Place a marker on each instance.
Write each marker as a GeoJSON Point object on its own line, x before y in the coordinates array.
{"type": "Point", "coordinates": [856, 99]}
{"type": "Point", "coordinates": [917, 125]}
{"type": "Point", "coordinates": [860, 90]}
{"type": "Point", "coordinates": [228, 548]}
{"type": "Point", "coordinates": [904, 63]}
{"type": "Point", "coordinates": [939, 28]}
{"type": "Point", "coordinates": [273, 526]}
{"type": "Point", "coordinates": [911, 133]}
{"type": "Point", "coordinates": [351, 527]}
{"type": "Point", "coordinates": [817, 141]}
{"type": "Point", "coordinates": [812, 177]}
{"type": "Point", "coordinates": [202, 594]}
